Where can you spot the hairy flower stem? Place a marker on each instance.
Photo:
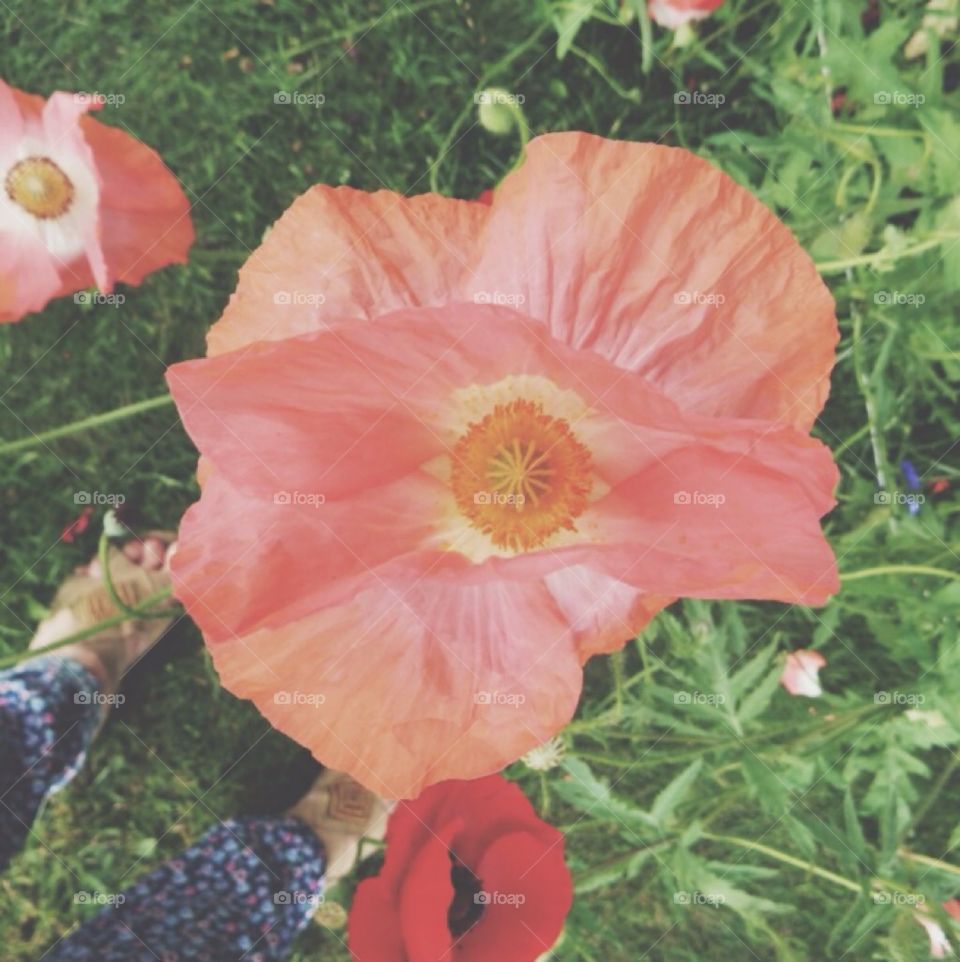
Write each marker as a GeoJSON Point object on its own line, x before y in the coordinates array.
{"type": "Point", "coordinates": [485, 79]}
{"type": "Point", "coordinates": [812, 868]}
{"type": "Point", "coordinates": [934, 863]}
{"type": "Point", "coordinates": [900, 570]}
{"type": "Point", "coordinates": [84, 424]}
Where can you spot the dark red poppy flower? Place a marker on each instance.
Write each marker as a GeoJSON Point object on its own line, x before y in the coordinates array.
{"type": "Point", "coordinates": [471, 874]}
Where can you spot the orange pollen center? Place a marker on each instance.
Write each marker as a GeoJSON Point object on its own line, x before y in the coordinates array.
{"type": "Point", "coordinates": [40, 187]}
{"type": "Point", "coordinates": [519, 475]}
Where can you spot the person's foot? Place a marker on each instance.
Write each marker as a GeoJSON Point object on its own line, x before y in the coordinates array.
{"type": "Point", "coordinates": [341, 812]}
{"type": "Point", "coordinates": [137, 571]}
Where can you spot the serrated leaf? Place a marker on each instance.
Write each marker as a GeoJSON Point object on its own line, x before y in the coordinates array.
{"type": "Point", "coordinates": [765, 786]}
{"type": "Point", "coordinates": [590, 794]}
{"type": "Point", "coordinates": [729, 896]}
{"type": "Point", "coordinates": [802, 837]}
{"type": "Point", "coordinates": [618, 870]}
{"type": "Point", "coordinates": [745, 677]}
{"type": "Point", "coordinates": [759, 699]}
{"type": "Point", "coordinates": [667, 801]}
{"type": "Point", "coordinates": [855, 837]}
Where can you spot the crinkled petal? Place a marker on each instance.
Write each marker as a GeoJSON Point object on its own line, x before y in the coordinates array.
{"type": "Point", "coordinates": [627, 249]}
{"type": "Point", "coordinates": [346, 412]}
{"type": "Point", "coordinates": [603, 612]}
{"type": "Point", "coordinates": [414, 685]}
{"type": "Point", "coordinates": [246, 561]}
{"type": "Point", "coordinates": [340, 253]}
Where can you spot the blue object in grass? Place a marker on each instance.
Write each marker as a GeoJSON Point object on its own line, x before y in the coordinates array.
{"type": "Point", "coordinates": [913, 483]}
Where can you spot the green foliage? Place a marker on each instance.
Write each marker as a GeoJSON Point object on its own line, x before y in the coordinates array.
{"type": "Point", "coordinates": [709, 815]}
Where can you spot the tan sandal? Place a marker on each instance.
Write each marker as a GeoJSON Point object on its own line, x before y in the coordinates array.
{"type": "Point", "coordinates": [341, 813]}
{"type": "Point", "coordinates": [84, 600]}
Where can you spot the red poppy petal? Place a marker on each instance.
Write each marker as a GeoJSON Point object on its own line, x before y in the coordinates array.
{"type": "Point", "coordinates": [412, 823]}
{"type": "Point", "coordinates": [340, 253]}
{"type": "Point", "coordinates": [374, 933]}
{"type": "Point", "coordinates": [529, 893]}
{"type": "Point", "coordinates": [606, 240]}
{"type": "Point", "coordinates": [489, 808]}
{"type": "Point", "coordinates": [470, 815]}
{"type": "Point", "coordinates": [425, 899]}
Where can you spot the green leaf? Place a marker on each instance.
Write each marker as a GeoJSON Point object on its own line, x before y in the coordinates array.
{"type": "Point", "coordinates": [759, 699]}
{"type": "Point", "coordinates": [725, 894]}
{"type": "Point", "coordinates": [765, 786]}
{"type": "Point", "coordinates": [590, 794]}
{"type": "Point", "coordinates": [744, 678]}
{"type": "Point", "coordinates": [617, 870]}
{"type": "Point", "coordinates": [568, 17]}
{"type": "Point", "coordinates": [667, 801]}
{"type": "Point", "coordinates": [855, 837]}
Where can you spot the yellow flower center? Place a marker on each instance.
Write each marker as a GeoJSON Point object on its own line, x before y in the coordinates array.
{"type": "Point", "coordinates": [40, 187]}
{"type": "Point", "coordinates": [520, 475]}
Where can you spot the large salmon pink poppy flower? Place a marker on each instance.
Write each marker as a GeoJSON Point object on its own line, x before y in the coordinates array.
{"type": "Point", "coordinates": [82, 203]}
{"type": "Point", "coordinates": [452, 449]}
{"type": "Point", "coordinates": [675, 13]}
{"type": "Point", "coordinates": [471, 873]}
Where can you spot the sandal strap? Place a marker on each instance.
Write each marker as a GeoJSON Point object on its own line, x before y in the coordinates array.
{"type": "Point", "coordinates": [89, 600]}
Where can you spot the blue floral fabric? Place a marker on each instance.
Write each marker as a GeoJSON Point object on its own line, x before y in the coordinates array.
{"type": "Point", "coordinates": [243, 892]}
{"type": "Point", "coordinates": [48, 717]}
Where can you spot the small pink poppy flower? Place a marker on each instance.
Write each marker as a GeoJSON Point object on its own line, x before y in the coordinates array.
{"type": "Point", "coordinates": [940, 946]}
{"type": "Point", "coordinates": [82, 203]}
{"type": "Point", "coordinates": [675, 13]}
{"type": "Point", "coordinates": [800, 674]}
{"type": "Point", "coordinates": [939, 943]}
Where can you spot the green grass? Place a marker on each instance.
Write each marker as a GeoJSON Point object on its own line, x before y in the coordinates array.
{"type": "Point", "coordinates": [844, 784]}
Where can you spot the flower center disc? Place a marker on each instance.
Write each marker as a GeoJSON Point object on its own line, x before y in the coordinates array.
{"type": "Point", "coordinates": [40, 187]}
{"type": "Point", "coordinates": [519, 475]}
